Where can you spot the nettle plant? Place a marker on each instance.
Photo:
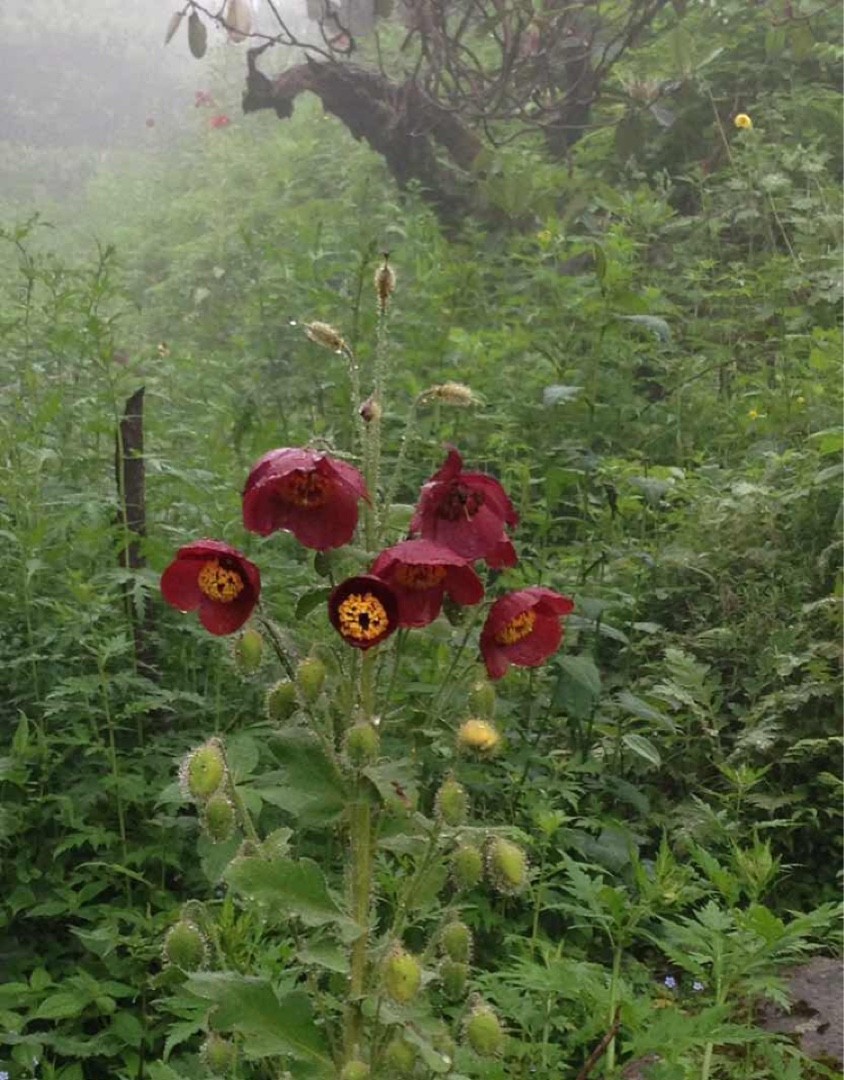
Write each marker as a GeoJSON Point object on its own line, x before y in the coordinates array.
{"type": "Point", "coordinates": [375, 980]}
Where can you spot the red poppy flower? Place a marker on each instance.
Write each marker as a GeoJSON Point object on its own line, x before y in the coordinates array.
{"type": "Point", "coordinates": [467, 512]}
{"type": "Point", "coordinates": [523, 628]}
{"type": "Point", "coordinates": [215, 578]}
{"type": "Point", "coordinates": [219, 121]}
{"type": "Point", "coordinates": [304, 492]}
{"type": "Point", "coordinates": [363, 610]}
{"type": "Point", "coordinates": [420, 573]}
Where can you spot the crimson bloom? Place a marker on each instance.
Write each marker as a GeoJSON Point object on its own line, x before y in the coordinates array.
{"type": "Point", "coordinates": [420, 573]}
{"type": "Point", "coordinates": [219, 121]}
{"type": "Point", "coordinates": [467, 512]}
{"type": "Point", "coordinates": [363, 610]}
{"type": "Point", "coordinates": [523, 628]}
{"type": "Point", "coordinates": [215, 578]}
{"type": "Point", "coordinates": [304, 492]}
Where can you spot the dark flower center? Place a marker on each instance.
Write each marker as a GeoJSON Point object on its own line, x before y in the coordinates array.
{"type": "Point", "coordinates": [419, 578]}
{"type": "Point", "coordinates": [460, 502]}
{"type": "Point", "coordinates": [219, 583]}
{"type": "Point", "coordinates": [362, 617]}
{"type": "Point", "coordinates": [307, 490]}
{"type": "Point", "coordinates": [516, 629]}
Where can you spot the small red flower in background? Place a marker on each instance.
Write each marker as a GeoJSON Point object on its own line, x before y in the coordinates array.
{"type": "Point", "coordinates": [150, 121]}
{"type": "Point", "coordinates": [219, 121]}
{"type": "Point", "coordinates": [420, 573]}
{"type": "Point", "coordinates": [216, 579]}
{"type": "Point", "coordinates": [304, 492]}
{"type": "Point", "coordinates": [467, 512]}
{"type": "Point", "coordinates": [523, 628]}
{"type": "Point", "coordinates": [363, 610]}
{"type": "Point", "coordinates": [203, 99]}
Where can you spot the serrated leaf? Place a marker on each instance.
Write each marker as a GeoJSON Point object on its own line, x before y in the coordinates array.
{"type": "Point", "coordinates": [642, 746]}
{"type": "Point", "coordinates": [296, 887]}
{"type": "Point", "coordinates": [173, 26]}
{"type": "Point", "coordinates": [269, 1026]}
{"type": "Point", "coordinates": [197, 36]}
{"type": "Point", "coordinates": [644, 711]}
{"type": "Point", "coordinates": [306, 784]}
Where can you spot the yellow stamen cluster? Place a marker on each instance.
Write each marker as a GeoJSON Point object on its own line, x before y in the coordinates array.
{"type": "Point", "coordinates": [220, 584]}
{"type": "Point", "coordinates": [450, 393]}
{"type": "Point", "coordinates": [305, 489]}
{"type": "Point", "coordinates": [479, 735]}
{"type": "Point", "coordinates": [323, 334]}
{"type": "Point", "coordinates": [743, 122]}
{"type": "Point", "coordinates": [419, 578]}
{"type": "Point", "coordinates": [516, 629]}
{"type": "Point", "coordinates": [362, 617]}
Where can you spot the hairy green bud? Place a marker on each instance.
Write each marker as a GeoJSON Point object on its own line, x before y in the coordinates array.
{"type": "Point", "coordinates": [203, 770]}
{"type": "Point", "coordinates": [310, 678]}
{"type": "Point", "coordinates": [361, 743]}
{"type": "Point", "coordinates": [219, 817]}
{"type": "Point", "coordinates": [280, 701]}
{"type": "Point", "coordinates": [355, 1070]}
{"type": "Point", "coordinates": [218, 1055]}
{"type": "Point", "coordinates": [467, 866]}
{"type": "Point", "coordinates": [506, 865]}
{"type": "Point", "coordinates": [249, 651]}
{"type": "Point", "coordinates": [484, 1032]}
{"type": "Point", "coordinates": [399, 1057]}
{"type": "Point", "coordinates": [185, 946]}
{"type": "Point", "coordinates": [402, 975]}
{"type": "Point", "coordinates": [456, 941]}
{"type": "Point", "coordinates": [482, 699]}
{"type": "Point", "coordinates": [453, 976]}
{"type": "Point", "coordinates": [451, 803]}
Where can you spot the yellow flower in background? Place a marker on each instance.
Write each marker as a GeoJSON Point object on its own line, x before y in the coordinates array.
{"type": "Point", "coordinates": [545, 237]}
{"type": "Point", "coordinates": [743, 122]}
{"type": "Point", "coordinates": [753, 414]}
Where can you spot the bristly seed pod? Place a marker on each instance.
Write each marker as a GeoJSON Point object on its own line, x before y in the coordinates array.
{"type": "Point", "coordinates": [355, 1070]}
{"type": "Point", "coordinates": [385, 282]}
{"type": "Point", "coordinates": [399, 1057]}
{"type": "Point", "coordinates": [217, 1054]}
{"type": "Point", "coordinates": [456, 941]}
{"type": "Point", "coordinates": [185, 946]}
{"type": "Point", "coordinates": [478, 736]}
{"type": "Point", "coordinates": [219, 818]}
{"type": "Point", "coordinates": [467, 866]}
{"type": "Point", "coordinates": [450, 393]}
{"type": "Point", "coordinates": [280, 701]}
{"type": "Point", "coordinates": [506, 865]}
{"type": "Point", "coordinates": [362, 743]}
{"type": "Point", "coordinates": [451, 803]}
{"type": "Point", "coordinates": [402, 975]}
{"type": "Point", "coordinates": [454, 976]}
{"type": "Point", "coordinates": [323, 334]}
{"type": "Point", "coordinates": [484, 1032]}
{"type": "Point", "coordinates": [203, 770]}
{"type": "Point", "coordinates": [310, 678]}
{"type": "Point", "coordinates": [370, 410]}
{"type": "Point", "coordinates": [248, 651]}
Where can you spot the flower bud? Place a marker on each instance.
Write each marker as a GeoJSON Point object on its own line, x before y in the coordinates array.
{"type": "Point", "coordinates": [370, 410]}
{"type": "Point", "coordinates": [478, 736]}
{"type": "Point", "coordinates": [456, 941]}
{"type": "Point", "coordinates": [280, 701]}
{"type": "Point", "coordinates": [402, 975]}
{"type": "Point", "coordinates": [249, 651]}
{"type": "Point", "coordinates": [323, 334]}
{"type": "Point", "coordinates": [355, 1070]}
{"type": "Point", "coordinates": [361, 744]}
{"type": "Point", "coordinates": [218, 1055]}
{"type": "Point", "coordinates": [453, 976]}
{"type": "Point", "coordinates": [385, 283]}
{"type": "Point", "coordinates": [506, 865]}
{"type": "Point", "coordinates": [219, 818]}
{"type": "Point", "coordinates": [203, 770]}
{"type": "Point", "coordinates": [310, 678]}
{"type": "Point", "coordinates": [467, 866]}
{"type": "Point", "coordinates": [185, 946]}
{"type": "Point", "coordinates": [484, 1032]}
{"type": "Point", "coordinates": [482, 698]}
{"type": "Point", "coordinates": [399, 1057]}
{"type": "Point", "coordinates": [451, 803]}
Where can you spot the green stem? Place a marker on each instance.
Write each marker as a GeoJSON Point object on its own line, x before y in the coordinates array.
{"type": "Point", "coordinates": [614, 987]}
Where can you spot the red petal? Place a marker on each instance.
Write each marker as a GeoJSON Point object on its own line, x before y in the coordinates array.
{"type": "Point", "coordinates": [540, 643]}
{"type": "Point", "coordinates": [331, 526]}
{"type": "Point", "coordinates": [179, 583]}
{"type": "Point", "coordinates": [347, 475]}
{"type": "Point", "coordinates": [495, 660]}
{"type": "Point", "coordinates": [503, 556]}
{"type": "Point", "coordinates": [221, 619]}
{"type": "Point", "coordinates": [417, 607]}
{"type": "Point", "coordinates": [450, 468]}
{"type": "Point", "coordinates": [464, 586]}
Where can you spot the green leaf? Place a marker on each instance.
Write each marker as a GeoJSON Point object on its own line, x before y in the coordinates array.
{"type": "Point", "coordinates": [657, 326]}
{"type": "Point", "coordinates": [642, 746]}
{"type": "Point", "coordinates": [635, 705]}
{"type": "Point", "coordinates": [312, 599]}
{"type": "Point", "coordinates": [307, 784]}
{"type": "Point", "coordinates": [61, 1005]}
{"type": "Point", "coordinates": [296, 887]}
{"type": "Point", "coordinates": [269, 1026]}
{"type": "Point", "coordinates": [578, 686]}
{"type": "Point", "coordinates": [559, 394]}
